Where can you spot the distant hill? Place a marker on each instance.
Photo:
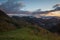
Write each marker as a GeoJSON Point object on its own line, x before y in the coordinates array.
{"type": "Point", "coordinates": [50, 24]}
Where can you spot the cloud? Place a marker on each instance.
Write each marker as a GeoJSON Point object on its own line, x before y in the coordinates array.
{"type": "Point", "coordinates": [57, 5]}
{"type": "Point", "coordinates": [11, 6]}
{"type": "Point", "coordinates": [0, 3]}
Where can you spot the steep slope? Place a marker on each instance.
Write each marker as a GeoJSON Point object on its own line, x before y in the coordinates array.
{"type": "Point", "coordinates": [6, 22]}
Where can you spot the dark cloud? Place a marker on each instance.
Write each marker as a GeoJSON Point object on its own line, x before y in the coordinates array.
{"type": "Point", "coordinates": [12, 6]}
{"type": "Point", "coordinates": [56, 7]}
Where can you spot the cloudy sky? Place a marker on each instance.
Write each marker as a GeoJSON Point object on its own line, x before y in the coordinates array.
{"type": "Point", "coordinates": [31, 5]}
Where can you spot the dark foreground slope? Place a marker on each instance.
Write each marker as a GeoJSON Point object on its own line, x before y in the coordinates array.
{"type": "Point", "coordinates": [6, 23]}
{"type": "Point", "coordinates": [28, 34]}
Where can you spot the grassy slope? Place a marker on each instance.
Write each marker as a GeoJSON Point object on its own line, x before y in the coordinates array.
{"type": "Point", "coordinates": [27, 34]}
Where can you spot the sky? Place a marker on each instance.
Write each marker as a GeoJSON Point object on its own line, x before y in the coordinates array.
{"type": "Point", "coordinates": [32, 5]}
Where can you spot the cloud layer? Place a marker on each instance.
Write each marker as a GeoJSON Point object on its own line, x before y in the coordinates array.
{"type": "Point", "coordinates": [11, 6]}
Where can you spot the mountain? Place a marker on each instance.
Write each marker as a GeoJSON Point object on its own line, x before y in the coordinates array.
{"type": "Point", "coordinates": [50, 24]}
{"type": "Point", "coordinates": [6, 23]}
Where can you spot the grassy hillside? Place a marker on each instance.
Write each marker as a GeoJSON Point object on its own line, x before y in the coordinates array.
{"type": "Point", "coordinates": [28, 34]}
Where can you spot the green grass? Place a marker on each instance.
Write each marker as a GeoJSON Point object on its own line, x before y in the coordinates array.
{"type": "Point", "coordinates": [27, 34]}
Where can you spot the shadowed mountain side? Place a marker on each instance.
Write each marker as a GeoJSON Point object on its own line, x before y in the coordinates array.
{"type": "Point", "coordinates": [6, 23]}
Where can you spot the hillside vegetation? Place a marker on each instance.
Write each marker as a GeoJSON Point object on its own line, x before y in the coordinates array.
{"type": "Point", "coordinates": [28, 34]}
